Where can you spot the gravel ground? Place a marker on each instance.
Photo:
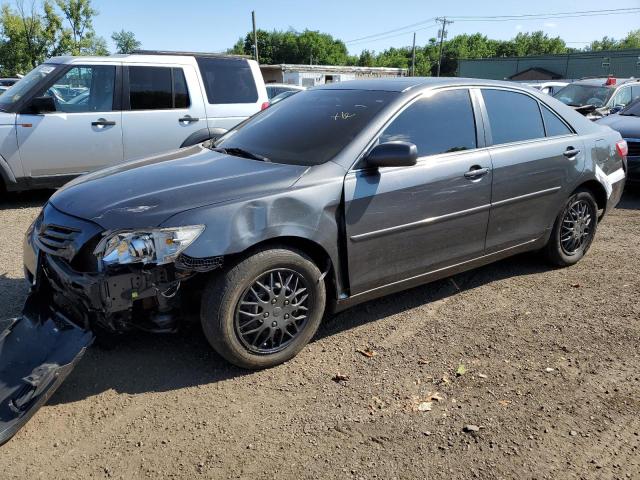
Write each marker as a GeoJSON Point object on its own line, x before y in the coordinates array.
{"type": "Point", "coordinates": [547, 384]}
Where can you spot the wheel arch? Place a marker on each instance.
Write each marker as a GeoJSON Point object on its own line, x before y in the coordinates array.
{"type": "Point", "coordinates": [598, 191]}
{"type": "Point", "coordinates": [316, 252]}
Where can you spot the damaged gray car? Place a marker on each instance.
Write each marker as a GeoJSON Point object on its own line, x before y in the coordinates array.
{"type": "Point", "coordinates": [339, 195]}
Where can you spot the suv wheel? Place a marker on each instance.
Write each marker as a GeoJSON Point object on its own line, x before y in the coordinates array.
{"type": "Point", "coordinates": [264, 310]}
{"type": "Point", "coordinates": [573, 230]}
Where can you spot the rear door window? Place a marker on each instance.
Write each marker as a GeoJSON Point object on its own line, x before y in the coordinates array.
{"type": "Point", "coordinates": [228, 80]}
{"type": "Point", "coordinates": [440, 124]}
{"type": "Point", "coordinates": [513, 116]}
{"type": "Point", "coordinates": [157, 88]}
{"type": "Point", "coordinates": [553, 125]}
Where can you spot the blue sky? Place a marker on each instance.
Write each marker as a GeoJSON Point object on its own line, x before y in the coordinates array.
{"type": "Point", "coordinates": [214, 25]}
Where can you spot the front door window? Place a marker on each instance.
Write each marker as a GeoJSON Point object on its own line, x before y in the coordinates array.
{"type": "Point", "coordinates": [84, 89]}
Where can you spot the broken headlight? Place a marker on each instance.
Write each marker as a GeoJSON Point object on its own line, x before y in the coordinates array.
{"type": "Point", "coordinates": [157, 246]}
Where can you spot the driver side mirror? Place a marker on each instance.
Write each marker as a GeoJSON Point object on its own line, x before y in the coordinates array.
{"type": "Point", "coordinates": [616, 108]}
{"type": "Point", "coordinates": [392, 154]}
{"type": "Point", "coordinates": [42, 105]}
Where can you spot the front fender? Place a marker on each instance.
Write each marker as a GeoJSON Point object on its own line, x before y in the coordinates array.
{"type": "Point", "coordinates": [310, 213]}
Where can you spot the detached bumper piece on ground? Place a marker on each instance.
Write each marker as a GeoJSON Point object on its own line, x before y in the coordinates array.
{"type": "Point", "coordinates": [37, 352]}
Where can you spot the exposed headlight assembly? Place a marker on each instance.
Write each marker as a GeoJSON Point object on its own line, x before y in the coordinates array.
{"type": "Point", "coordinates": [157, 246]}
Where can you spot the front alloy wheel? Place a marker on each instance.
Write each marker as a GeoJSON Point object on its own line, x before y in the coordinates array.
{"type": "Point", "coordinates": [265, 309]}
{"type": "Point", "coordinates": [272, 311]}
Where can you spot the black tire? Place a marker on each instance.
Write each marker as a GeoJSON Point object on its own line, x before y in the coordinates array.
{"type": "Point", "coordinates": [227, 297]}
{"type": "Point", "coordinates": [564, 248]}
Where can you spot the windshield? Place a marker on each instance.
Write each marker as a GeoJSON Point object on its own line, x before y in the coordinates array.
{"type": "Point", "coordinates": [633, 109]}
{"type": "Point", "coordinates": [19, 89]}
{"type": "Point", "coordinates": [579, 95]}
{"type": "Point", "coordinates": [310, 128]}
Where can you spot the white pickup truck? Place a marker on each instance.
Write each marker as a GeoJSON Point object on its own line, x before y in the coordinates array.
{"type": "Point", "coordinates": [73, 115]}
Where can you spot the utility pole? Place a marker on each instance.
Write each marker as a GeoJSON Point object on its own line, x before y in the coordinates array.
{"type": "Point", "coordinates": [413, 56]}
{"type": "Point", "coordinates": [255, 35]}
{"type": "Point", "coordinates": [443, 35]}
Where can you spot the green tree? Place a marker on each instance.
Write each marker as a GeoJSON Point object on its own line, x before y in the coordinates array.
{"type": "Point", "coordinates": [632, 40]}
{"type": "Point", "coordinates": [29, 35]}
{"type": "Point", "coordinates": [83, 39]}
{"type": "Point", "coordinates": [290, 46]}
{"type": "Point", "coordinates": [126, 42]}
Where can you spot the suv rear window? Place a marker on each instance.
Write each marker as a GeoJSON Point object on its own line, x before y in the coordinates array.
{"type": "Point", "coordinates": [228, 80]}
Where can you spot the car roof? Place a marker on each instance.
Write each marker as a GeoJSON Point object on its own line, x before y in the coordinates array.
{"type": "Point", "coordinates": [144, 57]}
{"type": "Point", "coordinates": [403, 84]}
{"type": "Point", "coordinates": [601, 81]}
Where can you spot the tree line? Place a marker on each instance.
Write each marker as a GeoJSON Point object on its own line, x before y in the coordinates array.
{"type": "Point", "coordinates": [31, 32]}
{"type": "Point", "coordinates": [321, 48]}
{"type": "Point", "coordinates": [34, 30]}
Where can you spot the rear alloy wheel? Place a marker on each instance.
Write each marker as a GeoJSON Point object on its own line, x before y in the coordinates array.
{"type": "Point", "coordinates": [264, 310]}
{"type": "Point", "coordinates": [574, 230]}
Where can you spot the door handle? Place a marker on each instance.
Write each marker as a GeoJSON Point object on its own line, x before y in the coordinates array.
{"type": "Point", "coordinates": [188, 119]}
{"type": "Point", "coordinates": [101, 122]}
{"type": "Point", "coordinates": [476, 172]}
{"type": "Point", "coordinates": [571, 152]}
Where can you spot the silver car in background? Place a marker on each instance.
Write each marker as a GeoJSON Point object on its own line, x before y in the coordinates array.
{"type": "Point", "coordinates": [74, 115]}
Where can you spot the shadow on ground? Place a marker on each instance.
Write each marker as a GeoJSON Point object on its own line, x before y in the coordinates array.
{"type": "Point", "coordinates": [30, 199]}
{"type": "Point", "coordinates": [157, 363]}
{"type": "Point", "coordinates": [630, 199]}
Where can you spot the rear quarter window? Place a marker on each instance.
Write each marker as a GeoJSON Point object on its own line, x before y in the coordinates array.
{"type": "Point", "coordinates": [228, 80]}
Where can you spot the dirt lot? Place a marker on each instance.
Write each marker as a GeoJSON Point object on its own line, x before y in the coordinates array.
{"type": "Point", "coordinates": [552, 380]}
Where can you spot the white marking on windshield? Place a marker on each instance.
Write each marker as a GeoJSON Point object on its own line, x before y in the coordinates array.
{"type": "Point", "coordinates": [343, 116]}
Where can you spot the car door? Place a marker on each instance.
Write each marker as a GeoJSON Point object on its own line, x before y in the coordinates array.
{"type": "Point", "coordinates": [84, 133]}
{"type": "Point", "coordinates": [535, 157]}
{"type": "Point", "coordinates": [405, 221]}
{"type": "Point", "coordinates": [163, 106]}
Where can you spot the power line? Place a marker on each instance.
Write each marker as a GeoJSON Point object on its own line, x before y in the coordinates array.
{"type": "Point", "coordinates": [417, 24]}
{"type": "Point", "coordinates": [548, 17]}
{"type": "Point", "coordinates": [393, 35]}
{"type": "Point", "coordinates": [494, 18]}
{"type": "Point", "coordinates": [608, 11]}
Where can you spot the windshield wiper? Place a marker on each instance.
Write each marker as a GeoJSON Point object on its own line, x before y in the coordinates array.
{"type": "Point", "coordinates": [630, 114]}
{"type": "Point", "coordinates": [241, 152]}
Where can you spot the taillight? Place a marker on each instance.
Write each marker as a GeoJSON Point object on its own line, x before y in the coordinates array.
{"type": "Point", "coordinates": [264, 106]}
{"type": "Point", "coordinates": [622, 148]}
{"type": "Point", "coordinates": [610, 81]}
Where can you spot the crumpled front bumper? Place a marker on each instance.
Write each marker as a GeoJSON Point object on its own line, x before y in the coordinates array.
{"type": "Point", "coordinates": [42, 346]}
{"type": "Point", "coordinates": [37, 352]}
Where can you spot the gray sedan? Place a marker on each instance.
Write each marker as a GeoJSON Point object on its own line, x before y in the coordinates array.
{"type": "Point", "coordinates": [338, 195]}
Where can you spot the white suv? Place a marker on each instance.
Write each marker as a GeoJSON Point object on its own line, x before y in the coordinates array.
{"type": "Point", "coordinates": [73, 115]}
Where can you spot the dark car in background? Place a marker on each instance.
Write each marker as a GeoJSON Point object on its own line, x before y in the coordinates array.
{"type": "Point", "coordinates": [336, 196]}
{"type": "Point", "coordinates": [598, 97]}
{"type": "Point", "coordinates": [627, 123]}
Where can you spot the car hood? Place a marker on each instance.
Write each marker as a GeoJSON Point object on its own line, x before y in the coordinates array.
{"type": "Point", "coordinates": [145, 193]}
{"type": "Point", "coordinates": [627, 125]}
